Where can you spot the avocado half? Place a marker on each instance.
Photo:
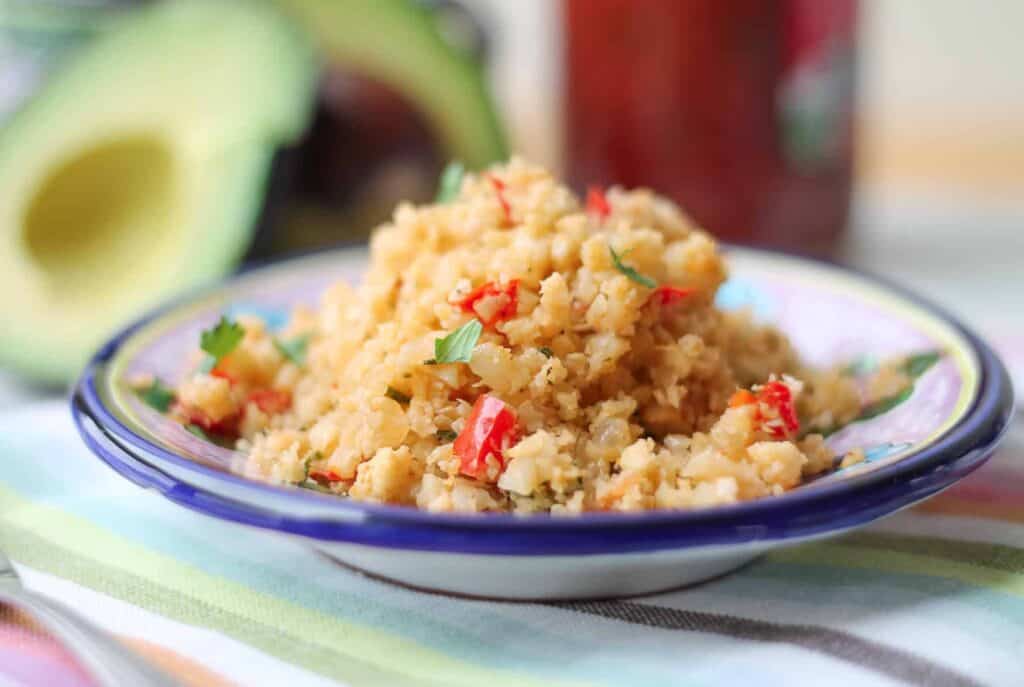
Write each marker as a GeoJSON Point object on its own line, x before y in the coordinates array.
{"type": "Point", "coordinates": [398, 43]}
{"type": "Point", "coordinates": [140, 169]}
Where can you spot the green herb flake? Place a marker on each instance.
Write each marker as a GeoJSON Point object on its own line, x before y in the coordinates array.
{"type": "Point", "coordinates": [156, 395]}
{"type": "Point", "coordinates": [314, 486]}
{"type": "Point", "coordinates": [545, 351]}
{"type": "Point", "coordinates": [451, 182]}
{"type": "Point", "coordinates": [917, 365]}
{"type": "Point", "coordinates": [860, 367]}
{"type": "Point", "coordinates": [309, 460]}
{"type": "Point", "coordinates": [219, 341]}
{"type": "Point", "coordinates": [293, 349]}
{"type": "Point", "coordinates": [629, 271]}
{"type": "Point", "coordinates": [458, 346]}
{"type": "Point", "coordinates": [396, 395]}
{"type": "Point", "coordinates": [198, 431]}
{"type": "Point", "coordinates": [446, 435]}
{"type": "Point", "coordinates": [884, 405]}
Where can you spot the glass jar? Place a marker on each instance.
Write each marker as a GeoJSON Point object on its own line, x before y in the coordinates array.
{"type": "Point", "coordinates": [740, 110]}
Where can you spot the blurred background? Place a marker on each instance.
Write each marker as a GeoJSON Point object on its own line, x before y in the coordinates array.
{"type": "Point", "coordinates": [208, 134]}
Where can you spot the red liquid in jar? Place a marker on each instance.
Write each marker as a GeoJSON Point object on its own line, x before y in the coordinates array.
{"type": "Point", "coordinates": [740, 110]}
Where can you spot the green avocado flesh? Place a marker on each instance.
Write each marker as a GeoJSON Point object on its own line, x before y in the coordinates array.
{"type": "Point", "coordinates": [140, 169]}
{"type": "Point", "coordinates": [396, 42]}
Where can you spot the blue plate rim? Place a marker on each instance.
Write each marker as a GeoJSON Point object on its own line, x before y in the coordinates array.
{"type": "Point", "coordinates": [856, 508]}
{"type": "Point", "coordinates": [983, 423]}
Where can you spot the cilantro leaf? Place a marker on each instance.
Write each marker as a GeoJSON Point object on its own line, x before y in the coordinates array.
{"type": "Point", "coordinates": [314, 456]}
{"type": "Point", "coordinates": [156, 395]}
{"type": "Point", "coordinates": [917, 365]}
{"type": "Point", "coordinates": [451, 182]}
{"type": "Point", "coordinates": [293, 349]}
{"type": "Point", "coordinates": [458, 346]}
{"type": "Point", "coordinates": [884, 405]}
{"type": "Point", "coordinates": [629, 271]}
{"type": "Point", "coordinates": [198, 431]}
{"type": "Point", "coordinates": [219, 341]}
{"type": "Point", "coordinates": [446, 435]}
{"type": "Point", "coordinates": [860, 367]}
{"type": "Point", "coordinates": [397, 395]}
{"type": "Point", "coordinates": [313, 486]}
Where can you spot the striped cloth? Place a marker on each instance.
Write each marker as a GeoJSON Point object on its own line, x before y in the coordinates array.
{"type": "Point", "coordinates": [933, 596]}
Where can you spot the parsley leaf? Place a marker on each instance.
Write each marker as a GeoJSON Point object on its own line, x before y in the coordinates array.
{"type": "Point", "coordinates": [458, 346]}
{"type": "Point", "coordinates": [860, 367]}
{"type": "Point", "coordinates": [545, 351]}
{"type": "Point", "coordinates": [314, 456]}
{"type": "Point", "coordinates": [219, 341]}
{"type": "Point", "coordinates": [156, 395]}
{"type": "Point", "coordinates": [293, 349]}
{"type": "Point", "coordinates": [313, 486]}
{"type": "Point", "coordinates": [917, 365]}
{"type": "Point", "coordinates": [451, 182]}
{"type": "Point", "coordinates": [397, 395]}
{"type": "Point", "coordinates": [629, 271]}
{"type": "Point", "coordinates": [446, 435]}
{"type": "Point", "coordinates": [884, 405]}
{"type": "Point", "coordinates": [198, 431]}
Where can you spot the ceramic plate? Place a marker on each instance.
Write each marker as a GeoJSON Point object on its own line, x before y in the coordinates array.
{"type": "Point", "coordinates": [941, 426]}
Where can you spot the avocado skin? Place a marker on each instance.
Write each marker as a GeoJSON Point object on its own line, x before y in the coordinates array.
{"type": "Point", "coordinates": [384, 62]}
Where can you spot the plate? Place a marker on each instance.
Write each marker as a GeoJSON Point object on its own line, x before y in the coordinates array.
{"type": "Point", "coordinates": [943, 425]}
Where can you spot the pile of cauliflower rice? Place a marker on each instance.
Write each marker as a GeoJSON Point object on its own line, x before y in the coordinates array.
{"type": "Point", "coordinates": [516, 348]}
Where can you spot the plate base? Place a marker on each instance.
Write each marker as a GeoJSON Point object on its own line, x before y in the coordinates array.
{"type": "Point", "coordinates": [542, 578]}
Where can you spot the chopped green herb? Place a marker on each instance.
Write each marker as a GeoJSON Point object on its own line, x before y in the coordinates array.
{"type": "Point", "coordinates": [629, 271]}
{"type": "Point", "coordinates": [314, 456]}
{"type": "Point", "coordinates": [430, 361]}
{"type": "Point", "coordinates": [451, 182]}
{"type": "Point", "coordinates": [546, 351]}
{"type": "Point", "coordinates": [397, 395]}
{"type": "Point", "coordinates": [458, 346]}
{"type": "Point", "coordinates": [219, 341]}
{"type": "Point", "coordinates": [917, 365]}
{"type": "Point", "coordinates": [314, 486]}
{"type": "Point", "coordinates": [884, 405]}
{"type": "Point", "coordinates": [446, 435]}
{"type": "Point", "coordinates": [156, 395]}
{"type": "Point", "coordinates": [293, 349]}
{"type": "Point", "coordinates": [198, 431]}
{"type": "Point", "coordinates": [860, 367]}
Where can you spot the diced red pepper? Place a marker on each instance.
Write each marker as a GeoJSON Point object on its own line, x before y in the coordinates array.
{"type": "Point", "coordinates": [669, 295]}
{"type": "Point", "coordinates": [597, 203]}
{"type": "Point", "coordinates": [326, 477]}
{"type": "Point", "coordinates": [270, 401]}
{"type": "Point", "coordinates": [490, 429]}
{"type": "Point", "coordinates": [492, 290]}
{"type": "Point", "coordinates": [499, 189]}
{"type": "Point", "coordinates": [778, 397]}
{"type": "Point", "coordinates": [218, 372]}
{"type": "Point", "coordinates": [225, 427]}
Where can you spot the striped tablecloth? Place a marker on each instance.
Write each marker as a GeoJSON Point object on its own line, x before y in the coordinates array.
{"type": "Point", "coordinates": [934, 595]}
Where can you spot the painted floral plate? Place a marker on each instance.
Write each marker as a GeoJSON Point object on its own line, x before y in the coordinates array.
{"type": "Point", "coordinates": [942, 425]}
